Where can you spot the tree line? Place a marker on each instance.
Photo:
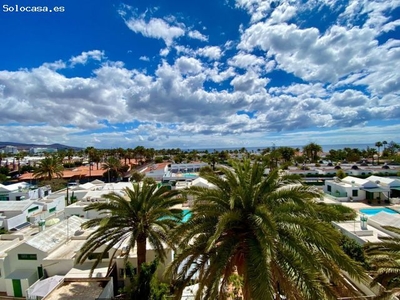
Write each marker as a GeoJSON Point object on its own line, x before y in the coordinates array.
{"type": "Point", "coordinates": [250, 237]}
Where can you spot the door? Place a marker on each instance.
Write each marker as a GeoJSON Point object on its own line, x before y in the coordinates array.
{"type": "Point", "coordinates": [17, 287]}
{"type": "Point", "coordinates": [40, 271]}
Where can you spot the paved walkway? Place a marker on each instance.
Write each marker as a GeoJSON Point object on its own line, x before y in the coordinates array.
{"type": "Point", "coordinates": [360, 204]}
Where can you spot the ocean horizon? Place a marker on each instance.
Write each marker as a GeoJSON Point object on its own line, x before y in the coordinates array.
{"type": "Point", "coordinates": [325, 148]}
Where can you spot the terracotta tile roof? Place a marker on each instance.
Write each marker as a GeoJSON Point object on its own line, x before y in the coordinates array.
{"type": "Point", "coordinates": [79, 172]}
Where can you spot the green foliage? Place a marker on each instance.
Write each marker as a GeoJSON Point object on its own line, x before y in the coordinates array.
{"type": "Point", "coordinates": [49, 167]}
{"type": "Point", "coordinates": [55, 184]}
{"type": "Point", "coordinates": [78, 163]}
{"type": "Point", "coordinates": [145, 285]}
{"type": "Point", "coordinates": [205, 170]}
{"type": "Point", "coordinates": [3, 178]}
{"type": "Point", "coordinates": [336, 212]}
{"type": "Point", "coordinates": [383, 258]}
{"type": "Point", "coordinates": [353, 249]}
{"type": "Point", "coordinates": [26, 169]}
{"type": "Point", "coordinates": [311, 151]}
{"type": "Point", "coordinates": [286, 153]}
{"type": "Point", "coordinates": [69, 165]}
{"type": "Point", "coordinates": [158, 159]}
{"type": "Point", "coordinates": [236, 284]}
{"type": "Point", "coordinates": [144, 214]}
{"type": "Point", "coordinates": [149, 180]}
{"type": "Point", "coordinates": [113, 168]}
{"type": "Point", "coordinates": [270, 228]}
{"type": "Point", "coordinates": [137, 176]}
{"type": "Point", "coordinates": [4, 170]}
{"type": "Point", "coordinates": [341, 174]}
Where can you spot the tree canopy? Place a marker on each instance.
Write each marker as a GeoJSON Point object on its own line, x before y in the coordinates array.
{"type": "Point", "coordinates": [270, 229]}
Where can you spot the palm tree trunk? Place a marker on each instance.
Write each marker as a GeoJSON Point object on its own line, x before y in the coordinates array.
{"type": "Point", "coordinates": [141, 251]}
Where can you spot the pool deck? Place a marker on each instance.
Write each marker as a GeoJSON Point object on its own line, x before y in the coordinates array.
{"type": "Point", "coordinates": [363, 204]}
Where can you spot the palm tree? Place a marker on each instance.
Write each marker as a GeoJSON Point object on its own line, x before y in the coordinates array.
{"type": "Point", "coordinates": [70, 154]}
{"type": "Point", "coordinates": [312, 150]}
{"type": "Point", "coordinates": [379, 145]}
{"type": "Point", "coordinates": [2, 156]}
{"type": "Point", "coordinates": [384, 143]}
{"type": "Point", "coordinates": [383, 258]}
{"type": "Point", "coordinates": [19, 156]}
{"type": "Point", "coordinates": [275, 235]}
{"type": "Point", "coordinates": [49, 168]}
{"type": "Point", "coordinates": [145, 214]}
{"type": "Point", "coordinates": [112, 165]}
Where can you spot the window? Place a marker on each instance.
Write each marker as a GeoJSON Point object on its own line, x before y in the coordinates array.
{"type": "Point", "coordinates": [52, 210]}
{"type": "Point", "coordinates": [329, 188]}
{"type": "Point", "coordinates": [27, 256]}
{"type": "Point", "coordinates": [33, 209]}
{"type": "Point", "coordinates": [354, 193]}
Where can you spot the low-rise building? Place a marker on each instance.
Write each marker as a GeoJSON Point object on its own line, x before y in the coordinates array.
{"type": "Point", "coordinates": [355, 189]}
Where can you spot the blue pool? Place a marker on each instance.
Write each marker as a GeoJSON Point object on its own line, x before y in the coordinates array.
{"type": "Point", "coordinates": [374, 211]}
{"type": "Point", "coordinates": [186, 215]}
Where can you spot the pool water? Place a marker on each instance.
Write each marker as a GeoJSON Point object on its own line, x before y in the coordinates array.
{"type": "Point", "coordinates": [186, 215]}
{"type": "Point", "coordinates": [374, 211]}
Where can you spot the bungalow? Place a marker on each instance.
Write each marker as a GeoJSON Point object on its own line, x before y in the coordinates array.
{"type": "Point", "coordinates": [22, 191]}
{"type": "Point", "coordinates": [15, 215]}
{"type": "Point", "coordinates": [392, 183]}
{"type": "Point", "coordinates": [23, 264]}
{"type": "Point", "coordinates": [354, 189]}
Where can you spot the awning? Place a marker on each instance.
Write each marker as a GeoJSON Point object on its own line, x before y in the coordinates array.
{"type": "Point", "coordinates": [21, 274]}
{"type": "Point", "coordinates": [21, 226]}
{"type": "Point", "coordinates": [395, 188]}
{"type": "Point", "coordinates": [45, 286]}
{"type": "Point", "coordinates": [377, 190]}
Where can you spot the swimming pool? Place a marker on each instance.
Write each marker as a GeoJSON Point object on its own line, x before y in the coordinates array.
{"type": "Point", "coordinates": [186, 215]}
{"type": "Point", "coordinates": [374, 211]}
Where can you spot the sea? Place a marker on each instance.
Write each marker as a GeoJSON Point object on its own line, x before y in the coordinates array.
{"type": "Point", "coordinates": [325, 148]}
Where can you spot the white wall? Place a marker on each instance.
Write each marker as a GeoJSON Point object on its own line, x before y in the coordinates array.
{"type": "Point", "coordinates": [14, 221]}
{"type": "Point", "coordinates": [25, 284]}
{"type": "Point", "coordinates": [58, 267]}
{"type": "Point", "coordinates": [2, 277]}
{"type": "Point", "coordinates": [150, 256]}
{"type": "Point", "coordinates": [16, 264]}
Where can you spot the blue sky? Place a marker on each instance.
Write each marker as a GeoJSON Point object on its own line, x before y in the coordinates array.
{"type": "Point", "coordinates": [200, 74]}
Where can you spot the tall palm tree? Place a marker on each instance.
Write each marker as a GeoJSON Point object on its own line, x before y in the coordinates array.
{"type": "Point", "coordinates": [113, 166]}
{"type": "Point", "coordinates": [384, 143]}
{"type": "Point", "coordinates": [384, 260]}
{"type": "Point", "coordinates": [379, 145]}
{"type": "Point", "coordinates": [145, 214]}
{"type": "Point", "coordinates": [49, 167]}
{"type": "Point", "coordinates": [275, 235]}
{"type": "Point", "coordinates": [312, 150]}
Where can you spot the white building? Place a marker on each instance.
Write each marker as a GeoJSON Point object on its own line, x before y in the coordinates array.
{"type": "Point", "coordinates": [15, 215]}
{"type": "Point", "coordinates": [22, 191]}
{"type": "Point", "coordinates": [355, 189]}
{"type": "Point", "coordinates": [23, 264]}
{"type": "Point", "coordinates": [392, 183]}
{"type": "Point", "coordinates": [40, 151]}
{"type": "Point", "coordinates": [10, 149]}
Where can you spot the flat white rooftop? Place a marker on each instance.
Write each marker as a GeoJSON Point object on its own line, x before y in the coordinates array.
{"type": "Point", "coordinates": [371, 234]}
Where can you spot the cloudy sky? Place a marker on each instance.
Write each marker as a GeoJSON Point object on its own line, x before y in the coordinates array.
{"type": "Point", "coordinates": [200, 73]}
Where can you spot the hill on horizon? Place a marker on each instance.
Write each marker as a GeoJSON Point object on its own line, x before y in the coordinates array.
{"type": "Point", "coordinates": [24, 146]}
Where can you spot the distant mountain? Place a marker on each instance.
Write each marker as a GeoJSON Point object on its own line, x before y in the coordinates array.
{"type": "Point", "coordinates": [22, 146]}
